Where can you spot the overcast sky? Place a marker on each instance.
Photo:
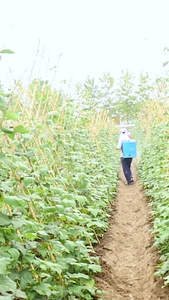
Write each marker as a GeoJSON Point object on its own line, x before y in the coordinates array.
{"type": "Point", "coordinates": [82, 38]}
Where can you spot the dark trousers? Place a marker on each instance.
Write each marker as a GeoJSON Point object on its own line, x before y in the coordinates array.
{"type": "Point", "coordinates": [126, 165]}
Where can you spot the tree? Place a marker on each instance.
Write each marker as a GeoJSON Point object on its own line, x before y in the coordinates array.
{"type": "Point", "coordinates": [87, 93]}
{"type": "Point", "coordinates": [106, 93]}
{"type": "Point", "coordinates": [98, 96]}
{"type": "Point", "coordinates": [125, 98]}
{"type": "Point", "coordinates": [144, 91]}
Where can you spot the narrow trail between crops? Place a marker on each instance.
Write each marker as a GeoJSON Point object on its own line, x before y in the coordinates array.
{"type": "Point", "coordinates": [126, 250]}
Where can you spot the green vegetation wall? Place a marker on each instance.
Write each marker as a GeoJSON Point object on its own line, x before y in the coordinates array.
{"type": "Point", "coordinates": [153, 166]}
{"type": "Point", "coordinates": [58, 178]}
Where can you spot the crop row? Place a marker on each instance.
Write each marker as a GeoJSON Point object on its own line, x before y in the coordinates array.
{"type": "Point", "coordinates": [56, 187]}
{"type": "Point", "coordinates": [154, 174]}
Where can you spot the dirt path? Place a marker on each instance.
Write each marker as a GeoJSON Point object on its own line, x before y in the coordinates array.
{"type": "Point", "coordinates": [126, 252]}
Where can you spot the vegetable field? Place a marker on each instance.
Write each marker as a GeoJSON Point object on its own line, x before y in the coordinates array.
{"type": "Point", "coordinates": [58, 177]}
{"type": "Point", "coordinates": [154, 174]}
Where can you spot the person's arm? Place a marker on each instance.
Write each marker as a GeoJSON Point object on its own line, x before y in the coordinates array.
{"type": "Point", "coordinates": [119, 144]}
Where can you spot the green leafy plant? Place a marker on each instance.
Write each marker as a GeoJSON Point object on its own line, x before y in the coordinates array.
{"type": "Point", "coordinates": [153, 172]}
{"type": "Point", "coordinates": [58, 179]}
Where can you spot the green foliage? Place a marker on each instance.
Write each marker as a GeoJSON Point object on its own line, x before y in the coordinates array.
{"type": "Point", "coordinates": [153, 172]}
{"type": "Point", "coordinates": [99, 96]}
{"type": "Point", "coordinates": [125, 104]}
{"type": "Point", "coordinates": [106, 93]}
{"type": "Point", "coordinates": [144, 91]}
{"type": "Point", "coordinates": [122, 99]}
{"type": "Point", "coordinates": [57, 183]}
{"type": "Point", "coordinates": [6, 51]}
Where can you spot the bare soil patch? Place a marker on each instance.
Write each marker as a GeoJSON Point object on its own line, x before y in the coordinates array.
{"type": "Point", "coordinates": [126, 251]}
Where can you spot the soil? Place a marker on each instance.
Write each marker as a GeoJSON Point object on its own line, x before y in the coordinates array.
{"type": "Point", "coordinates": [127, 255]}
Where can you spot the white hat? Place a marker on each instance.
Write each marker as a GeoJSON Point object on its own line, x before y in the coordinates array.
{"type": "Point", "coordinates": [124, 130]}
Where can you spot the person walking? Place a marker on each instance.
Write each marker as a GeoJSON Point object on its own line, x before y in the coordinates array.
{"type": "Point", "coordinates": [126, 162]}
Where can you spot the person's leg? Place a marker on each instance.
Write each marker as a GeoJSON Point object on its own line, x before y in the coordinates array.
{"type": "Point", "coordinates": [129, 163]}
{"type": "Point", "coordinates": [126, 165]}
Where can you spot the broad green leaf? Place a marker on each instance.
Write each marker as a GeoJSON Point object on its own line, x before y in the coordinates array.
{"type": "Point", "coordinates": [10, 115]}
{"type": "Point", "coordinates": [79, 275]}
{"type": "Point", "coordinates": [21, 129]}
{"type": "Point", "coordinates": [81, 199]}
{"type": "Point", "coordinates": [94, 211]}
{"type": "Point", "coordinates": [166, 280]}
{"type": "Point", "coordinates": [99, 224]}
{"type": "Point", "coordinates": [31, 244]}
{"type": "Point", "coordinates": [20, 294]}
{"type": "Point", "coordinates": [68, 203]}
{"type": "Point", "coordinates": [90, 283]}
{"type": "Point", "coordinates": [5, 161]}
{"type": "Point", "coordinates": [4, 261]}
{"type": "Point", "coordinates": [43, 233]}
{"type": "Point", "coordinates": [7, 297]}
{"type": "Point", "coordinates": [4, 220]}
{"type": "Point", "coordinates": [44, 171]}
{"type": "Point", "coordinates": [29, 197]}
{"type": "Point", "coordinates": [6, 284]}
{"type": "Point", "coordinates": [14, 201]}
{"type": "Point", "coordinates": [46, 145]}
{"type": "Point", "coordinates": [49, 209]}
{"type": "Point", "coordinates": [14, 253]}
{"type": "Point", "coordinates": [70, 245]}
{"type": "Point", "coordinates": [60, 208]}
{"type": "Point", "coordinates": [58, 268]}
{"type": "Point", "coordinates": [18, 223]}
{"type": "Point", "coordinates": [6, 51]}
{"type": "Point", "coordinates": [11, 135]}
{"type": "Point", "coordinates": [71, 219]}
{"type": "Point", "coordinates": [22, 165]}
{"type": "Point", "coordinates": [165, 63]}
{"type": "Point", "coordinates": [95, 268]}
{"type": "Point", "coordinates": [28, 181]}
{"type": "Point", "coordinates": [26, 154]}
{"type": "Point", "coordinates": [6, 130]}
{"type": "Point", "coordinates": [75, 289]}
{"type": "Point", "coordinates": [26, 278]}
{"type": "Point", "coordinates": [20, 247]}
{"type": "Point", "coordinates": [164, 236]}
{"type": "Point", "coordinates": [43, 289]}
{"type": "Point", "coordinates": [58, 191]}
{"type": "Point", "coordinates": [31, 235]}
{"type": "Point", "coordinates": [5, 187]}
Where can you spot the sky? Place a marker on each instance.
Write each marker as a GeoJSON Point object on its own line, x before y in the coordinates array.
{"type": "Point", "coordinates": [71, 40]}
